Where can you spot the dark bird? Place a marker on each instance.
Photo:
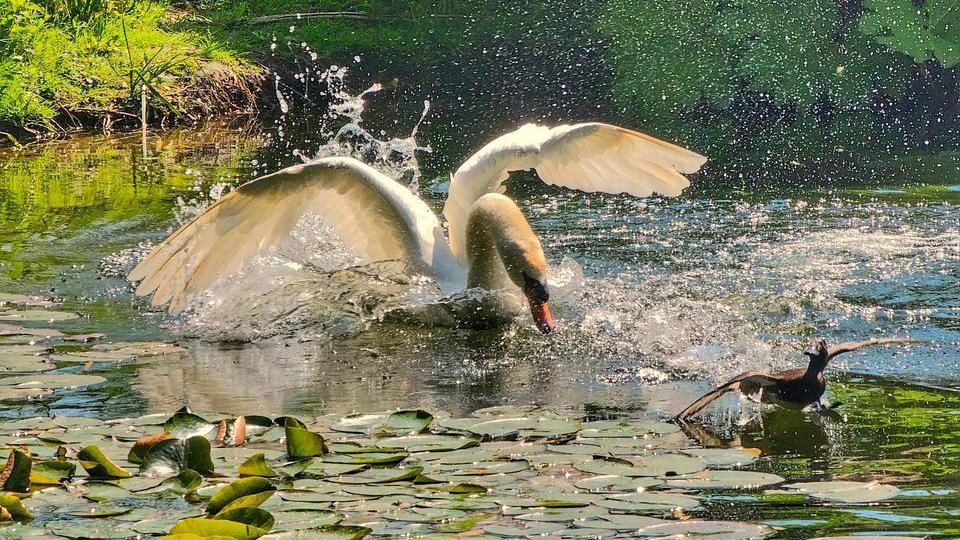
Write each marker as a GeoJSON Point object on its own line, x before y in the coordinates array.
{"type": "Point", "coordinates": [797, 387]}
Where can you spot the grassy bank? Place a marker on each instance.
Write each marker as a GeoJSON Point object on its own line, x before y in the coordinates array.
{"type": "Point", "coordinates": [80, 63]}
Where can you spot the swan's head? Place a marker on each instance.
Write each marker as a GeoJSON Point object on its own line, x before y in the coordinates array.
{"type": "Point", "coordinates": [527, 268]}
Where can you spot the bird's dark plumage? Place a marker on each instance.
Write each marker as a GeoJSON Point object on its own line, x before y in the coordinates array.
{"type": "Point", "coordinates": [799, 387]}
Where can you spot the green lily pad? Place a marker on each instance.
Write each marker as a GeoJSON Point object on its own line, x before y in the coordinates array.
{"type": "Point", "coordinates": [144, 444]}
{"type": "Point", "coordinates": [248, 515]}
{"type": "Point", "coordinates": [563, 515]}
{"type": "Point", "coordinates": [187, 481]}
{"type": "Point", "coordinates": [51, 472]}
{"type": "Point", "coordinates": [15, 508]}
{"type": "Point", "coordinates": [328, 532]}
{"type": "Point", "coordinates": [621, 522]}
{"type": "Point", "coordinates": [173, 456]}
{"type": "Point", "coordinates": [51, 380]}
{"type": "Point", "coordinates": [551, 500]}
{"type": "Point", "coordinates": [729, 530]}
{"type": "Point", "coordinates": [16, 473]}
{"type": "Point", "coordinates": [98, 465]}
{"type": "Point", "coordinates": [23, 363]}
{"type": "Point", "coordinates": [626, 428]}
{"type": "Point", "coordinates": [295, 520]}
{"type": "Point", "coordinates": [36, 315]}
{"type": "Point", "coordinates": [184, 425]}
{"type": "Point", "coordinates": [612, 482]}
{"type": "Point", "coordinates": [93, 529]}
{"type": "Point", "coordinates": [302, 443]}
{"type": "Point", "coordinates": [378, 476]}
{"type": "Point", "coordinates": [250, 491]}
{"type": "Point", "coordinates": [97, 511]}
{"type": "Point", "coordinates": [726, 480]}
{"type": "Point", "coordinates": [103, 491]}
{"type": "Point", "coordinates": [36, 333]}
{"type": "Point", "coordinates": [534, 529]}
{"type": "Point", "coordinates": [205, 527]}
{"type": "Point", "coordinates": [430, 443]}
{"type": "Point", "coordinates": [649, 501]}
{"type": "Point", "coordinates": [256, 465]}
{"type": "Point", "coordinates": [847, 492]}
{"type": "Point", "coordinates": [723, 457]}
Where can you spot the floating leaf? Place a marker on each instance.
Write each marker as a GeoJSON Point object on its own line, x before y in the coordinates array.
{"type": "Point", "coordinates": [255, 465]}
{"type": "Point", "coordinates": [248, 515]}
{"type": "Point", "coordinates": [730, 530]}
{"type": "Point", "coordinates": [99, 465]}
{"type": "Point", "coordinates": [847, 492]}
{"type": "Point", "coordinates": [376, 476]}
{"type": "Point", "coordinates": [401, 422]}
{"type": "Point", "coordinates": [16, 473]}
{"type": "Point", "coordinates": [93, 529]}
{"type": "Point", "coordinates": [329, 532]}
{"type": "Point", "coordinates": [36, 315]}
{"type": "Point", "coordinates": [103, 491]}
{"type": "Point", "coordinates": [172, 456]}
{"type": "Point", "coordinates": [51, 472]}
{"type": "Point", "coordinates": [15, 508]}
{"type": "Point", "coordinates": [51, 380]}
{"type": "Point", "coordinates": [653, 500]}
{"type": "Point", "coordinates": [724, 457]}
{"type": "Point", "coordinates": [23, 363]}
{"type": "Point", "coordinates": [245, 492]}
{"type": "Point", "coordinates": [217, 527]}
{"type": "Point", "coordinates": [187, 481]}
{"type": "Point", "coordinates": [184, 425]}
{"type": "Point", "coordinates": [302, 443]}
{"type": "Point", "coordinates": [144, 444]}
{"type": "Point", "coordinates": [294, 520]}
{"type": "Point", "coordinates": [726, 480]}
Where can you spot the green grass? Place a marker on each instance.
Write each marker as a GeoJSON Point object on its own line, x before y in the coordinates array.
{"type": "Point", "coordinates": [74, 56]}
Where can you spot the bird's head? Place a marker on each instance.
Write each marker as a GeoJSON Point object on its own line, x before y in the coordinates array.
{"type": "Point", "coordinates": [819, 354]}
{"type": "Point", "coordinates": [527, 268]}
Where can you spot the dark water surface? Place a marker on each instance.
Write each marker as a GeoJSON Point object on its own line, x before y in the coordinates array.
{"type": "Point", "coordinates": [656, 299]}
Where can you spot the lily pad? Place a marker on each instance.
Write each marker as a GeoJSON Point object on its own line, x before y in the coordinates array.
{"type": "Point", "coordinates": [728, 530]}
{"type": "Point", "coordinates": [256, 465]}
{"type": "Point", "coordinates": [36, 315]}
{"type": "Point", "coordinates": [217, 527]}
{"type": "Point", "coordinates": [51, 472]}
{"type": "Point", "coordinates": [847, 492]}
{"type": "Point", "coordinates": [726, 480]}
{"type": "Point", "coordinates": [302, 443]}
{"type": "Point", "coordinates": [51, 380]}
{"type": "Point", "coordinates": [329, 532]}
{"type": "Point", "coordinates": [649, 501]}
{"type": "Point", "coordinates": [15, 508]}
{"type": "Point", "coordinates": [173, 456]}
{"type": "Point", "coordinates": [295, 520]}
{"type": "Point", "coordinates": [724, 457]}
{"type": "Point", "coordinates": [98, 465]}
{"type": "Point", "coordinates": [16, 473]}
{"type": "Point", "coordinates": [241, 493]}
{"type": "Point", "coordinates": [23, 363]}
{"type": "Point", "coordinates": [184, 425]}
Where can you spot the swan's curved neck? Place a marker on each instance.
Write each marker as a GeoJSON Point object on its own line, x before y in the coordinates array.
{"type": "Point", "coordinates": [500, 244]}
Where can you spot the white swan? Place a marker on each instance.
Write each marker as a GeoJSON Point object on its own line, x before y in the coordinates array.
{"type": "Point", "coordinates": [491, 244]}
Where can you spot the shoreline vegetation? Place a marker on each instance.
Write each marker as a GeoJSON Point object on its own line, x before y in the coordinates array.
{"type": "Point", "coordinates": [777, 88]}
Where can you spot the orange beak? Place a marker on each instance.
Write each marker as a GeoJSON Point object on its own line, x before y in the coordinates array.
{"type": "Point", "coordinates": [541, 316]}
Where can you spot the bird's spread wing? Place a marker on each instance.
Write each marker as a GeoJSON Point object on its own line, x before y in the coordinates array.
{"type": "Point", "coordinates": [747, 383]}
{"type": "Point", "coordinates": [854, 345]}
{"type": "Point", "coordinates": [590, 157]}
{"type": "Point", "coordinates": [372, 213]}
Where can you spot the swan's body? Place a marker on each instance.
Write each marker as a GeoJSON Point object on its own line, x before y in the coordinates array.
{"type": "Point", "coordinates": [491, 244]}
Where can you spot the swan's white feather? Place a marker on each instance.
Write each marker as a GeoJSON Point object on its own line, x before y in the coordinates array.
{"type": "Point", "coordinates": [590, 157]}
{"type": "Point", "coordinates": [379, 218]}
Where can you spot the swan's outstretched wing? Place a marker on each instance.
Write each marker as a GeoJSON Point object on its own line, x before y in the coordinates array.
{"type": "Point", "coordinates": [375, 215]}
{"type": "Point", "coordinates": [745, 383]}
{"type": "Point", "coordinates": [589, 157]}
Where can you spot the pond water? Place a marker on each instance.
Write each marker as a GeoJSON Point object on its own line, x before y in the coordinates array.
{"type": "Point", "coordinates": [656, 300]}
